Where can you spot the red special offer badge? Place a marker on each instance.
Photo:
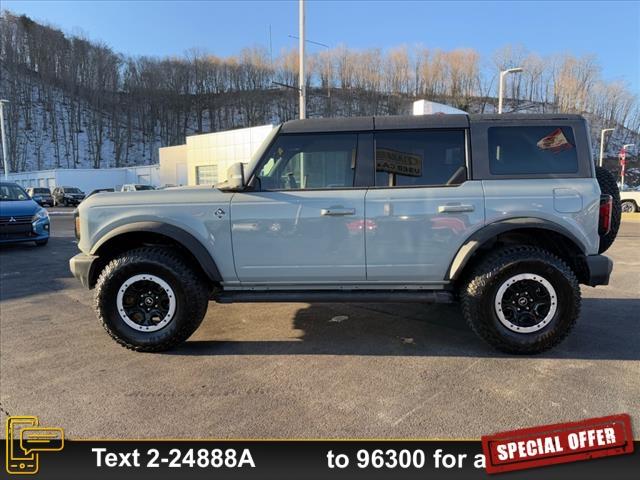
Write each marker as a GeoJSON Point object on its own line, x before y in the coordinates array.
{"type": "Point", "coordinates": [559, 443]}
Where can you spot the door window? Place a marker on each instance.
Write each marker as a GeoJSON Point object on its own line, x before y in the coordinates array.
{"type": "Point", "coordinates": [309, 161]}
{"type": "Point", "coordinates": [420, 158]}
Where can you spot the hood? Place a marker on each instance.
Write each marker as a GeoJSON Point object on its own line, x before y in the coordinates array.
{"type": "Point", "coordinates": [170, 196]}
{"type": "Point", "coordinates": [15, 208]}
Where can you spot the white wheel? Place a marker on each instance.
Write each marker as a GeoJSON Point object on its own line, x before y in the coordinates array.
{"type": "Point", "coordinates": [146, 303]}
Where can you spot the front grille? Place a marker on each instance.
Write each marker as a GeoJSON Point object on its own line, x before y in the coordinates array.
{"type": "Point", "coordinates": [18, 220]}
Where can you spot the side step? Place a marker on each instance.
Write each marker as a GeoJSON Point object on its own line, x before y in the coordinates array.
{"type": "Point", "coordinates": [336, 296]}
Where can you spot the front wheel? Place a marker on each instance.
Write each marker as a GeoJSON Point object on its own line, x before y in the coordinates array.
{"type": "Point", "coordinates": [150, 299]}
{"type": "Point", "coordinates": [628, 206]}
{"type": "Point", "coordinates": [522, 300]}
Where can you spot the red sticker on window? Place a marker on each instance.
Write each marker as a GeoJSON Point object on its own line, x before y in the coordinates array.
{"type": "Point", "coordinates": [554, 142]}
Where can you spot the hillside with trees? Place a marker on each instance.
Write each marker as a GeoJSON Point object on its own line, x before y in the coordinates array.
{"type": "Point", "coordinates": [77, 103]}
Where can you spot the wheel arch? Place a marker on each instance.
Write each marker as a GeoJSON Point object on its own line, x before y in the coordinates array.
{"type": "Point", "coordinates": [531, 231]}
{"type": "Point", "coordinates": [132, 235]}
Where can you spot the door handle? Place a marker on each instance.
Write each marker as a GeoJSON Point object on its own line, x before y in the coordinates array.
{"type": "Point", "coordinates": [337, 212]}
{"type": "Point", "coordinates": [455, 208]}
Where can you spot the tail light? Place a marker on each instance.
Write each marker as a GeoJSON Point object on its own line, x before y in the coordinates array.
{"type": "Point", "coordinates": [606, 209]}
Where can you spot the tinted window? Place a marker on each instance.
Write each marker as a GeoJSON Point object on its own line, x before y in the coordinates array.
{"type": "Point", "coordinates": [425, 157]}
{"type": "Point", "coordinates": [309, 161]}
{"type": "Point", "coordinates": [532, 150]}
{"type": "Point", "coordinates": [72, 190]}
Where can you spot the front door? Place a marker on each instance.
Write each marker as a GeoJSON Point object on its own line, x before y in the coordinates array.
{"type": "Point", "coordinates": [303, 222]}
{"type": "Point", "coordinates": [423, 206]}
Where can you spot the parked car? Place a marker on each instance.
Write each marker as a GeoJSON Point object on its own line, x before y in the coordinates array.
{"type": "Point", "coordinates": [630, 200]}
{"type": "Point", "coordinates": [384, 209]}
{"type": "Point", "coordinates": [21, 218]}
{"type": "Point", "coordinates": [131, 187]}
{"type": "Point", "coordinates": [99, 190]}
{"type": "Point", "coordinates": [67, 196]}
{"type": "Point", "coordinates": [41, 195]}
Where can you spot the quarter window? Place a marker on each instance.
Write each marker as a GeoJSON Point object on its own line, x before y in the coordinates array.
{"type": "Point", "coordinates": [420, 158]}
{"type": "Point", "coordinates": [309, 161]}
{"type": "Point", "coordinates": [532, 150]}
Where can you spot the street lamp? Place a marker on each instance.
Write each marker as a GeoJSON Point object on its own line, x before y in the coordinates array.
{"type": "Point", "coordinates": [602, 132]}
{"type": "Point", "coordinates": [4, 141]}
{"type": "Point", "coordinates": [503, 73]}
{"type": "Point", "coordinates": [301, 78]}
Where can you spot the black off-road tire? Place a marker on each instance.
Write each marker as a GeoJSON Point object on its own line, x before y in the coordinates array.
{"type": "Point", "coordinates": [608, 186]}
{"type": "Point", "coordinates": [191, 293]}
{"type": "Point", "coordinates": [479, 294]}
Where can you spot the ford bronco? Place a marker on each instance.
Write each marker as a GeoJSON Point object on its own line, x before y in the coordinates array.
{"type": "Point", "coordinates": [506, 214]}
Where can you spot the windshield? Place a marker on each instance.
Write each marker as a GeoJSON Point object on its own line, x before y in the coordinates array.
{"type": "Point", "coordinates": [11, 192]}
{"type": "Point", "coordinates": [144, 187]}
{"type": "Point", "coordinates": [41, 190]}
{"type": "Point", "coordinates": [72, 190]}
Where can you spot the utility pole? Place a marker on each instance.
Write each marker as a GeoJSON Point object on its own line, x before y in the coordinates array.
{"type": "Point", "coordinates": [504, 73]}
{"type": "Point", "coordinates": [5, 159]}
{"type": "Point", "coordinates": [602, 132]}
{"type": "Point", "coordinates": [301, 79]}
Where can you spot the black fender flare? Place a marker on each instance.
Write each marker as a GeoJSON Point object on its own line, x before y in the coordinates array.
{"type": "Point", "coordinates": [490, 231]}
{"type": "Point", "coordinates": [177, 234]}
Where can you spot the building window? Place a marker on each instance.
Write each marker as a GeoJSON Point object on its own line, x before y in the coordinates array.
{"type": "Point", "coordinates": [207, 175]}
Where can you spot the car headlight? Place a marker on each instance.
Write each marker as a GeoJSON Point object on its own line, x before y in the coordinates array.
{"type": "Point", "coordinates": [40, 215]}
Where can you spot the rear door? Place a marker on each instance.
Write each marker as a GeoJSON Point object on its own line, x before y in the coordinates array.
{"type": "Point", "coordinates": [304, 222]}
{"type": "Point", "coordinates": [423, 206]}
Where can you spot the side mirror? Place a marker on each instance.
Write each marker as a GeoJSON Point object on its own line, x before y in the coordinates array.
{"type": "Point", "coordinates": [235, 176]}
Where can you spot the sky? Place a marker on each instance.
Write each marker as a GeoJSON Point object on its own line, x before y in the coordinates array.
{"type": "Point", "coordinates": [610, 30]}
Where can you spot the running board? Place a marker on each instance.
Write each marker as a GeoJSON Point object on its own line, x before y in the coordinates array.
{"type": "Point", "coordinates": [336, 296]}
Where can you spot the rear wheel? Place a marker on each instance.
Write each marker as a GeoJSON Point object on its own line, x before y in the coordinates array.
{"type": "Point", "coordinates": [608, 186]}
{"type": "Point", "coordinates": [522, 300]}
{"type": "Point", "coordinates": [150, 299]}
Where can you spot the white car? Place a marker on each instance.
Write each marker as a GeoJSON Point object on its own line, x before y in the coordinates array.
{"type": "Point", "coordinates": [134, 187]}
{"type": "Point", "coordinates": [630, 201]}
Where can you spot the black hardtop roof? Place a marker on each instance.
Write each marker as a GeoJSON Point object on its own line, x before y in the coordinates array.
{"type": "Point", "coordinates": [398, 122]}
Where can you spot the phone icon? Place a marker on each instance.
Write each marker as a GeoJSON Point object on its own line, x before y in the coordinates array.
{"type": "Point", "coordinates": [18, 462]}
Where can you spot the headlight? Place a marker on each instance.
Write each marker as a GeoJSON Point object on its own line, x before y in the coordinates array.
{"type": "Point", "coordinates": [40, 215]}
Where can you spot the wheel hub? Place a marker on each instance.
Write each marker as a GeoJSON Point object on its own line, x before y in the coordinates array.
{"type": "Point", "coordinates": [146, 303]}
{"type": "Point", "coordinates": [525, 303]}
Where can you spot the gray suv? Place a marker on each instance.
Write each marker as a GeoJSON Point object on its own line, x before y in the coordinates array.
{"type": "Point", "coordinates": [506, 214]}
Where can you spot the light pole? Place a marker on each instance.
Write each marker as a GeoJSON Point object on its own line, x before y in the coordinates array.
{"type": "Point", "coordinates": [504, 73]}
{"type": "Point", "coordinates": [602, 132]}
{"type": "Point", "coordinates": [301, 79]}
{"type": "Point", "coordinates": [328, 65]}
{"type": "Point", "coordinates": [4, 141]}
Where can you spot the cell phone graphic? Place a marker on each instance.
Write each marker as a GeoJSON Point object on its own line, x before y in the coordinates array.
{"type": "Point", "coordinates": [18, 462]}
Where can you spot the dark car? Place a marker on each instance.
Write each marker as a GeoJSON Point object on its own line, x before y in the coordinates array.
{"type": "Point", "coordinates": [100, 190]}
{"type": "Point", "coordinates": [67, 196]}
{"type": "Point", "coordinates": [21, 218]}
{"type": "Point", "coordinates": [41, 195]}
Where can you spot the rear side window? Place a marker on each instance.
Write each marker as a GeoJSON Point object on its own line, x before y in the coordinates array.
{"type": "Point", "coordinates": [532, 150]}
{"type": "Point", "coordinates": [420, 158]}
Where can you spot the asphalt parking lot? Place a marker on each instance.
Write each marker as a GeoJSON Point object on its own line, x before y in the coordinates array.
{"type": "Point", "coordinates": [303, 370]}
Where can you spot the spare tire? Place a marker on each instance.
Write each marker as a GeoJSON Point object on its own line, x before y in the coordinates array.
{"type": "Point", "coordinates": [608, 186]}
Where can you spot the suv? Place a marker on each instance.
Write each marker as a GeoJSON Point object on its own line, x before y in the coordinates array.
{"type": "Point", "coordinates": [67, 196]}
{"type": "Point", "coordinates": [630, 200]}
{"type": "Point", "coordinates": [41, 195]}
{"type": "Point", "coordinates": [504, 213]}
